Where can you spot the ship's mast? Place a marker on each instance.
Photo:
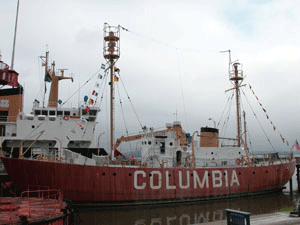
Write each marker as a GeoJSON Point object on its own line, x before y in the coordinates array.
{"type": "Point", "coordinates": [15, 37]}
{"type": "Point", "coordinates": [236, 76]}
{"type": "Point", "coordinates": [111, 52]}
{"type": "Point", "coordinates": [50, 76]}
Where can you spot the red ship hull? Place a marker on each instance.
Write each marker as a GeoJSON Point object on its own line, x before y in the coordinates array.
{"type": "Point", "coordinates": [107, 184]}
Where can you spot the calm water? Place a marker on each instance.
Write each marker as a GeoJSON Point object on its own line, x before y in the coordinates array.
{"type": "Point", "coordinates": [182, 214]}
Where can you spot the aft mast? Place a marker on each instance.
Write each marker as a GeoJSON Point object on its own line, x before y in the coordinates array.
{"type": "Point", "coordinates": [111, 52]}
{"type": "Point", "coordinates": [236, 76]}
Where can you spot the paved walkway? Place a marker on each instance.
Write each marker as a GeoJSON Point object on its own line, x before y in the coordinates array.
{"type": "Point", "coordinates": [280, 218]}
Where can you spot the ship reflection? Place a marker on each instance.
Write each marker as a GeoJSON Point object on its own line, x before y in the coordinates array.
{"type": "Point", "coordinates": [182, 214]}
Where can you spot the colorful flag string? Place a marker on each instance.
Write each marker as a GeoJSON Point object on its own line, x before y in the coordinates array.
{"type": "Point", "coordinates": [284, 140]}
{"type": "Point", "coordinates": [93, 98]}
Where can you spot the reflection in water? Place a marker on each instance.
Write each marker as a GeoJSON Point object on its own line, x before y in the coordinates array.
{"type": "Point", "coordinates": [182, 214]}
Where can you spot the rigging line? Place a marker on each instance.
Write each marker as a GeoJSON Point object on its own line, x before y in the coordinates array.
{"type": "Point", "coordinates": [79, 88]}
{"type": "Point", "coordinates": [266, 114]}
{"type": "Point", "coordinates": [103, 81]}
{"type": "Point", "coordinates": [123, 114]}
{"type": "Point", "coordinates": [122, 109]}
{"type": "Point", "coordinates": [226, 105]}
{"type": "Point", "coordinates": [152, 39]}
{"type": "Point", "coordinates": [164, 43]}
{"type": "Point", "coordinates": [104, 88]}
{"type": "Point", "coordinates": [131, 102]}
{"type": "Point", "coordinates": [250, 142]}
{"type": "Point", "coordinates": [31, 133]}
{"type": "Point", "coordinates": [226, 120]}
{"type": "Point", "coordinates": [258, 121]}
{"type": "Point", "coordinates": [181, 87]}
{"type": "Point", "coordinates": [225, 124]}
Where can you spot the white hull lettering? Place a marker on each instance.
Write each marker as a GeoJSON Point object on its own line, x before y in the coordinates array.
{"type": "Point", "coordinates": [185, 217]}
{"type": "Point", "coordinates": [234, 179]}
{"type": "Point", "coordinates": [187, 180]}
{"type": "Point", "coordinates": [168, 186]}
{"type": "Point", "coordinates": [157, 173]}
{"type": "Point", "coordinates": [217, 178]}
{"type": "Point", "coordinates": [197, 179]}
{"type": "Point", "coordinates": [136, 185]}
{"type": "Point", "coordinates": [158, 180]}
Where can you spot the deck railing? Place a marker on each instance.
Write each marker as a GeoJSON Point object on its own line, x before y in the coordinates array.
{"type": "Point", "coordinates": [31, 206]}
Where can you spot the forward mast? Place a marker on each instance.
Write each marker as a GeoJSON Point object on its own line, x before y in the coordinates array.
{"type": "Point", "coordinates": [50, 76]}
{"type": "Point", "coordinates": [111, 53]}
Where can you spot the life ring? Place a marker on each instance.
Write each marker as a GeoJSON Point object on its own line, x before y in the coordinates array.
{"type": "Point", "coordinates": [238, 161]}
{"type": "Point", "coordinates": [66, 118]}
{"type": "Point", "coordinates": [250, 162]}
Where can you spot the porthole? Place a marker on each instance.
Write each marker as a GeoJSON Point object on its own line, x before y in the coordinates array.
{"type": "Point", "coordinates": [169, 174]}
{"type": "Point", "coordinates": [240, 173]}
{"type": "Point", "coordinates": [103, 174]}
{"type": "Point", "coordinates": [114, 174]}
{"type": "Point", "coordinates": [150, 174]}
{"type": "Point", "coordinates": [33, 126]}
{"type": "Point", "coordinates": [130, 174]}
{"type": "Point", "coordinates": [266, 171]}
{"type": "Point", "coordinates": [149, 142]}
{"type": "Point", "coordinates": [171, 143]}
{"type": "Point", "coordinates": [212, 153]}
{"type": "Point", "coordinates": [253, 172]}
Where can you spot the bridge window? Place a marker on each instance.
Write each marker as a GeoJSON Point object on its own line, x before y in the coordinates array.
{"type": "Point", "coordinates": [37, 112]}
{"type": "Point", "coordinates": [178, 157]}
{"type": "Point", "coordinates": [67, 113]}
{"type": "Point", "coordinates": [162, 148]}
{"type": "Point", "coordinates": [92, 115]}
{"type": "Point", "coordinates": [3, 116]}
{"type": "Point", "coordinates": [59, 113]}
{"type": "Point", "coordinates": [52, 113]}
{"type": "Point", "coordinates": [93, 112]}
{"type": "Point", "coordinates": [44, 112]}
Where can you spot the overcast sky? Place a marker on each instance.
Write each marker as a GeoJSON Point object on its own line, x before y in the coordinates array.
{"type": "Point", "coordinates": [170, 61]}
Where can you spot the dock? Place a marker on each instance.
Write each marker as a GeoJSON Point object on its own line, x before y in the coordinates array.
{"type": "Point", "coordinates": [279, 218]}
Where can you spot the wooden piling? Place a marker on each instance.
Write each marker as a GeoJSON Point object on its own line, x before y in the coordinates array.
{"type": "Point", "coordinates": [297, 176]}
{"type": "Point", "coordinates": [291, 187]}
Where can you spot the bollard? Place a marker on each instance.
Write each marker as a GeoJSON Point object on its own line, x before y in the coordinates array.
{"type": "Point", "coordinates": [291, 187]}
{"type": "Point", "coordinates": [235, 217]}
